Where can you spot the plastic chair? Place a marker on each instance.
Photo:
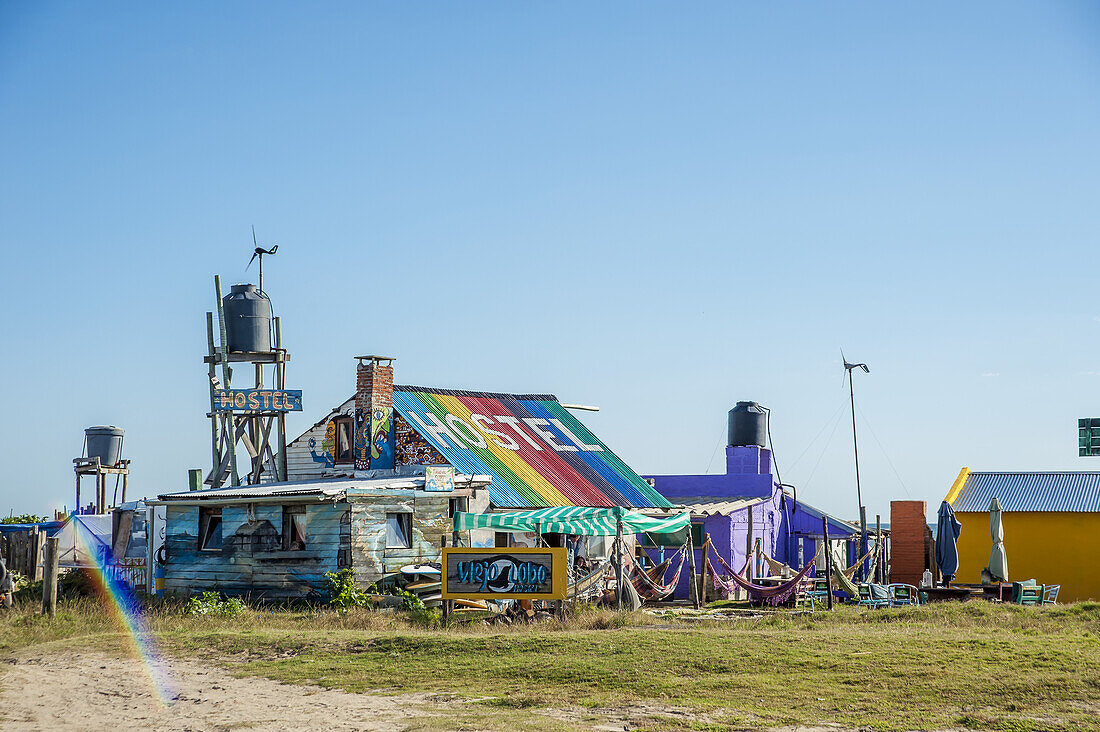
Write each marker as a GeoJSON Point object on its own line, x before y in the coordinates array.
{"type": "Point", "coordinates": [1029, 595]}
{"type": "Point", "coordinates": [867, 600]}
{"type": "Point", "coordinates": [818, 591]}
{"type": "Point", "coordinates": [1050, 594]}
{"type": "Point", "coordinates": [902, 594]}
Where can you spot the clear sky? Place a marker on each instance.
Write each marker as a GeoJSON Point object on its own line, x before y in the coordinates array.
{"type": "Point", "coordinates": [660, 209]}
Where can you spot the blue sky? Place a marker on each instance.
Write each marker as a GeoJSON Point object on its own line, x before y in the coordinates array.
{"type": "Point", "coordinates": [660, 209]}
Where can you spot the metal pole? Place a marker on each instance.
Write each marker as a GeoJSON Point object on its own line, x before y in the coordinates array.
{"type": "Point", "coordinates": [855, 447]}
{"type": "Point", "coordinates": [863, 541]}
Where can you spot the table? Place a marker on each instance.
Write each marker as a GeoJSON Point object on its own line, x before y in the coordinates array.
{"type": "Point", "coordinates": [946, 594]}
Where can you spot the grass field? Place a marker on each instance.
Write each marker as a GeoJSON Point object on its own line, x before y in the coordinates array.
{"type": "Point", "coordinates": [975, 666]}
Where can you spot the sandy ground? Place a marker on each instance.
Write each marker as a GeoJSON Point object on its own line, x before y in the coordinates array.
{"type": "Point", "coordinates": [60, 689]}
{"type": "Point", "coordinates": [90, 691]}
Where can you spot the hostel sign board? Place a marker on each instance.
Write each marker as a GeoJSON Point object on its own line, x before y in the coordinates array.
{"type": "Point", "coordinates": [439, 478]}
{"type": "Point", "coordinates": [504, 573]}
{"type": "Point", "coordinates": [257, 400]}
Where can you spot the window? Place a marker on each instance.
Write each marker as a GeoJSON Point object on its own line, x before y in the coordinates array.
{"type": "Point", "coordinates": [345, 440]}
{"type": "Point", "coordinates": [501, 539]}
{"type": "Point", "coordinates": [398, 530]}
{"type": "Point", "coordinates": [294, 528]}
{"type": "Point", "coordinates": [210, 529]}
{"type": "Point", "coordinates": [455, 505]}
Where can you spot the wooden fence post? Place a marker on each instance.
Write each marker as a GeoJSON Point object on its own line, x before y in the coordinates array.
{"type": "Point", "coordinates": [443, 583]}
{"type": "Point", "coordinates": [49, 577]}
{"type": "Point", "coordinates": [828, 562]}
{"type": "Point", "coordinates": [619, 565]}
{"type": "Point", "coordinates": [693, 586]}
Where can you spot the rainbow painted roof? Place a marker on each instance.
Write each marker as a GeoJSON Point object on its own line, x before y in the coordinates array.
{"type": "Point", "coordinates": [537, 453]}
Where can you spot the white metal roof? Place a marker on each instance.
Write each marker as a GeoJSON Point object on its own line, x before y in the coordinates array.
{"type": "Point", "coordinates": [723, 508]}
{"type": "Point", "coordinates": [321, 489]}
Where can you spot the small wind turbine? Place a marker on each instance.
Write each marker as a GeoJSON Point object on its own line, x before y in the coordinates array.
{"type": "Point", "coordinates": [260, 252]}
{"type": "Point", "coordinates": [850, 367]}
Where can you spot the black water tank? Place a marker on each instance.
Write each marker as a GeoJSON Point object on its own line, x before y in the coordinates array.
{"type": "Point", "coordinates": [748, 425]}
{"type": "Point", "coordinates": [247, 319]}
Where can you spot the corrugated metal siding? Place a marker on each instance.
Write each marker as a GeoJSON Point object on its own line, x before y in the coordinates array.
{"type": "Point", "coordinates": [1063, 491]}
{"type": "Point", "coordinates": [527, 476]}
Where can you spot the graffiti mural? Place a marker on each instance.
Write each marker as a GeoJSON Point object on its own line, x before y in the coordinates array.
{"type": "Point", "coordinates": [327, 456]}
{"type": "Point", "coordinates": [382, 439]}
{"type": "Point", "coordinates": [362, 441]}
{"type": "Point", "coordinates": [411, 448]}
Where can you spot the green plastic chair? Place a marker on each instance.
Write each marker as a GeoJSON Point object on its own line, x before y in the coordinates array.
{"type": "Point", "coordinates": [1030, 595]}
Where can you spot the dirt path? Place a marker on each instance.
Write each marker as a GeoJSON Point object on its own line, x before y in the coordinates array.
{"type": "Point", "coordinates": [90, 691]}
{"type": "Point", "coordinates": [62, 689]}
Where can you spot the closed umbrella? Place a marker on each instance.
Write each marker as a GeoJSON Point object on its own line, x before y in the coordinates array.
{"type": "Point", "coordinates": [947, 533]}
{"type": "Point", "coordinates": [998, 562]}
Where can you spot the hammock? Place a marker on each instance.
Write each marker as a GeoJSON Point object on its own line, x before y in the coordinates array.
{"type": "Point", "coordinates": [844, 583]}
{"type": "Point", "coordinates": [589, 584]}
{"type": "Point", "coordinates": [851, 571]}
{"type": "Point", "coordinates": [777, 567]}
{"type": "Point", "coordinates": [647, 582]}
{"type": "Point", "coordinates": [774, 595]}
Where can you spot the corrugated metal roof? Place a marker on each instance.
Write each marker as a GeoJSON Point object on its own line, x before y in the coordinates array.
{"type": "Point", "coordinates": [538, 454]}
{"type": "Point", "coordinates": [323, 488]}
{"type": "Point", "coordinates": [1057, 491]}
{"type": "Point", "coordinates": [722, 508]}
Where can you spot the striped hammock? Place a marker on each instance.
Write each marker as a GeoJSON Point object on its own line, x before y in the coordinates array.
{"type": "Point", "coordinates": [646, 582]}
{"type": "Point", "coordinates": [577, 520]}
{"type": "Point", "coordinates": [773, 595]}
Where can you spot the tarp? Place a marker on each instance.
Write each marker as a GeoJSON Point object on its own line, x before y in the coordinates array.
{"type": "Point", "coordinates": [573, 520]}
{"type": "Point", "coordinates": [998, 562]}
{"type": "Point", "coordinates": [81, 534]}
{"type": "Point", "coordinates": [947, 533]}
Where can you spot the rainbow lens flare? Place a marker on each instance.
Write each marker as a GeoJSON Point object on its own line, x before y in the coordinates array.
{"type": "Point", "coordinates": [120, 598]}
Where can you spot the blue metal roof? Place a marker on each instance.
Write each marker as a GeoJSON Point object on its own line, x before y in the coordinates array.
{"type": "Point", "coordinates": [1061, 491]}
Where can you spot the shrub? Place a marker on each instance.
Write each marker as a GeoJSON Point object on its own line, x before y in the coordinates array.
{"type": "Point", "coordinates": [211, 603]}
{"type": "Point", "coordinates": [344, 591]}
{"type": "Point", "coordinates": [26, 518]}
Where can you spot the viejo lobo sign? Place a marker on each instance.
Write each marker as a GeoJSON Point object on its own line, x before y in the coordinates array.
{"type": "Point", "coordinates": [504, 573]}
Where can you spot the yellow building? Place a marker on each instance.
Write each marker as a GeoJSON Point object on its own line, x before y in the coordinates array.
{"type": "Point", "coordinates": [1051, 528]}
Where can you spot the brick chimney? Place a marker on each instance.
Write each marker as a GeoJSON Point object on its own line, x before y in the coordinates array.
{"type": "Point", "coordinates": [374, 383]}
{"type": "Point", "coordinates": [373, 392]}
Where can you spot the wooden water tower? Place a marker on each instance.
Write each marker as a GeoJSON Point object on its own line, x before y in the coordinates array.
{"type": "Point", "coordinates": [254, 416]}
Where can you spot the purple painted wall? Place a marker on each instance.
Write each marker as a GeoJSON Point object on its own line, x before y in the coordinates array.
{"type": "Point", "coordinates": [778, 520]}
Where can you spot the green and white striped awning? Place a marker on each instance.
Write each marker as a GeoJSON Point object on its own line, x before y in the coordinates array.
{"type": "Point", "coordinates": [573, 520]}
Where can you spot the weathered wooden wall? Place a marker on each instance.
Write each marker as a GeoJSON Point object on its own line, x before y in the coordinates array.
{"type": "Point", "coordinates": [22, 551]}
{"type": "Point", "coordinates": [370, 556]}
{"type": "Point", "coordinates": [251, 560]}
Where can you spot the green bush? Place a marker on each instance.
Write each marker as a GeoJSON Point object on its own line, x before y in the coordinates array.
{"type": "Point", "coordinates": [344, 591]}
{"type": "Point", "coordinates": [26, 518]}
{"type": "Point", "coordinates": [211, 603]}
